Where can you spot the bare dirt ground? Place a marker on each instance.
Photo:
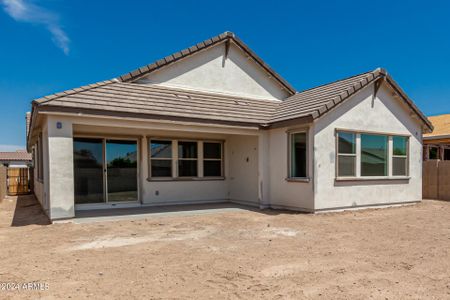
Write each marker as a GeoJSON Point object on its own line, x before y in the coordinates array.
{"type": "Point", "coordinates": [390, 253]}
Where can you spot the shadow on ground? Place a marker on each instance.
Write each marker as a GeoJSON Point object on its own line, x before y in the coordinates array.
{"type": "Point", "coordinates": [28, 211]}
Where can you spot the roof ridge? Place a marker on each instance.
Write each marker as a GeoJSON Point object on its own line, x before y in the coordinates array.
{"type": "Point", "coordinates": [336, 81]}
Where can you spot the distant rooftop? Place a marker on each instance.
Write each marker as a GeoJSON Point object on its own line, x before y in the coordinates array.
{"type": "Point", "coordinates": [441, 125]}
{"type": "Point", "coordinates": [18, 155]}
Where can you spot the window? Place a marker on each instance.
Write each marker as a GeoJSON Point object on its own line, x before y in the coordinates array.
{"type": "Point", "coordinates": [298, 155]}
{"type": "Point", "coordinates": [346, 154]}
{"type": "Point", "coordinates": [371, 155]}
{"type": "Point", "coordinates": [187, 159]}
{"type": "Point", "coordinates": [374, 155]}
{"type": "Point", "coordinates": [400, 156]}
{"type": "Point", "coordinates": [161, 158]}
{"type": "Point", "coordinates": [212, 159]}
{"type": "Point", "coordinates": [434, 153]}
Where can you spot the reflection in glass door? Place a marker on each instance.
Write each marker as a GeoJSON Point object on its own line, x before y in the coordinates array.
{"type": "Point", "coordinates": [88, 170]}
{"type": "Point", "coordinates": [121, 159]}
{"type": "Point", "coordinates": [105, 170]}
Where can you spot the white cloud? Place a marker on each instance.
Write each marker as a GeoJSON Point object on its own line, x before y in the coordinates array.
{"type": "Point", "coordinates": [10, 148]}
{"type": "Point", "coordinates": [25, 11]}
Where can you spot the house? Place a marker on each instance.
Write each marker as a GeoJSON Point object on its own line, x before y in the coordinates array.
{"type": "Point", "coordinates": [437, 144]}
{"type": "Point", "coordinates": [16, 159]}
{"type": "Point", "coordinates": [215, 123]}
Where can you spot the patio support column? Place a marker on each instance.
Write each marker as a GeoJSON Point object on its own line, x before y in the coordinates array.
{"type": "Point", "coordinates": [263, 169]}
{"type": "Point", "coordinates": [60, 168]}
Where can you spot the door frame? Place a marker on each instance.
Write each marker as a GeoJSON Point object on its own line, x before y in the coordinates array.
{"type": "Point", "coordinates": [106, 203]}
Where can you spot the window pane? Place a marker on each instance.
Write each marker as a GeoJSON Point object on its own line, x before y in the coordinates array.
{"type": "Point", "coordinates": [298, 155]}
{"type": "Point", "coordinates": [434, 153]}
{"type": "Point", "coordinates": [374, 155]}
{"type": "Point", "coordinates": [187, 149]}
{"type": "Point", "coordinates": [212, 150]}
{"type": "Point", "coordinates": [399, 166]}
{"type": "Point", "coordinates": [161, 149]}
{"type": "Point", "coordinates": [446, 154]}
{"type": "Point", "coordinates": [161, 168]}
{"type": "Point", "coordinates": [347, 143]}
{"type": "Point", "coordinates": [187, 168]}
{"type": "Point", "coordinates": [400, 145]}
{"type": "Point", "coordinates": [346, 166]}
{"type": "Point", "coordinates": [212, 168]}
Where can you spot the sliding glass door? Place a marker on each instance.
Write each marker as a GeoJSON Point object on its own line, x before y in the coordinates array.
{"type": "Point", "coordinates": [105, 170]}
{"type": "Point", "coordinates": [121, 158]}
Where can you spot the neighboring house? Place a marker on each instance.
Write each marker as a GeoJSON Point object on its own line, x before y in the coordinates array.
{"type": "Point", "coordinates": [214, 123]}
{"type": "Point", "coordinates": [437, 144]}
{"type": "Point", "coordinates": [16, 159]}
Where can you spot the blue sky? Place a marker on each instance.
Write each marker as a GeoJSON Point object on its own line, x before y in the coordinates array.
{"type": "Point", "coordinates": [52, 45]}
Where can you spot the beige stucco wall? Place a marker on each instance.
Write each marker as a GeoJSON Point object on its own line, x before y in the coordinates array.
{"type": "Point", "coordinates": [297, 195]}
{"type": "Point", "coordinates": [60, 168]}
{"type": "Point", "coordinates": [209, 71]}
{"type": "Point", "coordinates": [384, 114]}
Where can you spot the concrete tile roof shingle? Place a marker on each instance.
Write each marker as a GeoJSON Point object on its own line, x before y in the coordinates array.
{"type": "Point", "coordinates": [157, 101]}
{"type": "Point", "coordinates": [19, 155]}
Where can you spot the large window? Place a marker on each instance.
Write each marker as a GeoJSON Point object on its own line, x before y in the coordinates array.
{"type": "Point", "coordinates": [371, 155]}
{"type": "Point", "coordinates": [346, 154]}
{"type": "Point", "coordinates": [185, 159]}
{"type": "Point", "coordinates": [298, 155]}
{"type": "Point", "coordinates": [374, 155]}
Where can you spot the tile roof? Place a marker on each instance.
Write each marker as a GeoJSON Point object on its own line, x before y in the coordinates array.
{"type": "Point", "coordinates": [153, 101]}
{"type": "Point", "coordinates": [441, 125]}
{"type": "Point", "coordinates": [19, 155]}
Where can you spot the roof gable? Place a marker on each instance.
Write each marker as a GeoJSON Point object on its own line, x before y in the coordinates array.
{"type": "Point", "coordinates": [222, 54]}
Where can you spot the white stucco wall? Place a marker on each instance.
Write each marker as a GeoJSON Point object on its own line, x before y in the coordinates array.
{"type": "Point", "coordinates": [384, 114]}
{"type": "Point", "coordinates": [60, 168]}
{"type": "Point", "coordinates": [208, 71]}
{"type": "Point", "coordinates": [295, 195]}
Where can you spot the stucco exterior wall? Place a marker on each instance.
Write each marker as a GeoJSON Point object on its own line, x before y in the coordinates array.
{"type": "Point", "coordinates": [384, 114]}
{"type": "Point", "coordinates": [297, 195]}
{"type": "Point", "coordinates": [209, 71]}
{"type": "Point", "coordinates": [60, 168]}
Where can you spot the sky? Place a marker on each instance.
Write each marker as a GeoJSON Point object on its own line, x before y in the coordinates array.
{"type": "Point", "coordinates": [49, 46]}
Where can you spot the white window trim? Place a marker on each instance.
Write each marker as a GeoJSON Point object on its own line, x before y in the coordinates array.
{"type": "Point", "coordinates": [358, 176]}
{"type": "Point", "coordinates": [160, 158]}
{"type": "Point", "coordinates": [289, 177]}
{"type": "Point", "coordinates": [175, 159]}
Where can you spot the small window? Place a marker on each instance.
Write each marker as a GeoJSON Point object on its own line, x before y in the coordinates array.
{"type": "Point", "coordinates": [298, 155]}
{"type": "Point", "coordinates": [346, 154]}
{"type": "Point", "coordinates": [161, 158]}
{"type": "Point", "coordinates": [433, 153]}
{"type": "Point", "coordinates": [374, 155]}
{"type": "Point", "coordinates": [212, 159]}
{"type": "Point", "coordinates": [187, 159]}
{"type": "Point", "coordinates": [400, 156]}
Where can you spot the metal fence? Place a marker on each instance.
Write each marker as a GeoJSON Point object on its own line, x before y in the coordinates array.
{"type": "Point", "coordinates": [436, 179]}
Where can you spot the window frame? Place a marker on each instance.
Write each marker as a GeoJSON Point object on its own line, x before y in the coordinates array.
{"type": "Point", "coordinates": [175, 159]}
{"type": "Point", "coordinates": [212, 159]}
{"type": "Point", "coordinates": [289, 134]}
{"type": "Point", "coordinates": [390, 155]}
{"type": "Point", "coordinates": [406, 156]}
{"type": "Point", "coordinates": [150, 158]}
{"type": "Point", "coordinates": [355, 155]}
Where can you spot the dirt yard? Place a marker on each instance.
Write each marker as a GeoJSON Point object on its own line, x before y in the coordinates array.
{"type": "Point", "coordinates": [390, 253]}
